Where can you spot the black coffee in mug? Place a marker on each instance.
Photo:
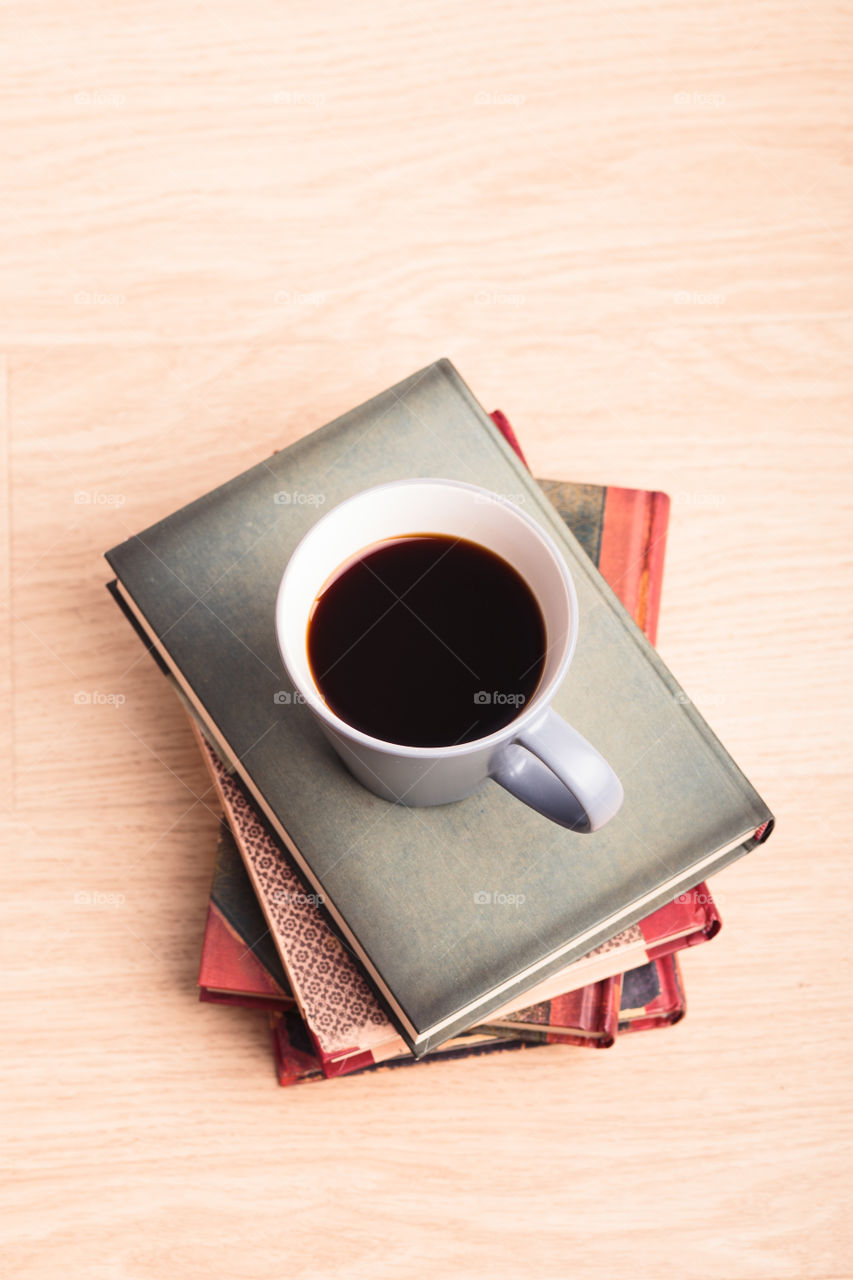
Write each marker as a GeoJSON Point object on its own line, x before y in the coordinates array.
{"type": "Point", "coordinates": [426, 640]}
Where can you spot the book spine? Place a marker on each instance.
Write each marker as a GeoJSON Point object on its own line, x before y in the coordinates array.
{"type": "Point", "coordinates": [633, 545]}
{"type": "Point", "coordinates": [503, 425]}
{"type": "Point", "coordinates": [609, 1022]}
{"type": "Point", "coordinates": [599, 1016]}
{"type": "Point", "coordinates": [216, 777]}
{"type": "Point", "coordinates": [246, 1000]}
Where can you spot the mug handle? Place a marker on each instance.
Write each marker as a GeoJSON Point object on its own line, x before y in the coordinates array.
{"type": "Point", "coordinates": [559, 774]}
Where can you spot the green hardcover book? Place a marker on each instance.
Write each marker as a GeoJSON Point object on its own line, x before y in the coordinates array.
{"type": "Point", "coordinates": [405, 888]}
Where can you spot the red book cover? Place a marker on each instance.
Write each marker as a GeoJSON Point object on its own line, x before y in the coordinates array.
{"type": "Point", "coordinates": [652, 996]}
{"type": "Point", "coordinates": [693, 915]}
{"type": "Point", "coordinates": [239, 962]}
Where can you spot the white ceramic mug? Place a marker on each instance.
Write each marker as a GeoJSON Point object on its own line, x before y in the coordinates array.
{"type": "Point", "coordinates": [537, 756]}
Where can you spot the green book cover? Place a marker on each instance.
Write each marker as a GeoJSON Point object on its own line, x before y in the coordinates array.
{"type": "Point", "coordinates": [406, 887]}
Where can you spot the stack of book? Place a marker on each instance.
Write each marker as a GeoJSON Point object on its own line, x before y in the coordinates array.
{"type": "Point", "coordinates": [372, 935]}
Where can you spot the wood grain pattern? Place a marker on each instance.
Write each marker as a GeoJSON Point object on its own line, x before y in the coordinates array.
{"type": "Point", "coordinates": [222, 224]}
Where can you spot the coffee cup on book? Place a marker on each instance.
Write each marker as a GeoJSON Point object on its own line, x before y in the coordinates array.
{"type": "Point", "coordinates": [428, 625]}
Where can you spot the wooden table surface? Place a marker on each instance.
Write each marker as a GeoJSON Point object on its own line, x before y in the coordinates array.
{"type": "Point", "coordinates": [224, 223]}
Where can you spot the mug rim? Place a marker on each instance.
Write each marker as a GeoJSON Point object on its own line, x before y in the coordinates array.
{"type": "Point", "coordinates": [539, 703]}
